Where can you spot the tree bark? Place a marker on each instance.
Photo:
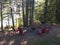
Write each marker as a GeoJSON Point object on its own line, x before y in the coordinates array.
{"type": "Point", "coordinates": [31, 11]}
{"type": "Point", "coordinates": [58, 11]}
{"type": "Point", "coordinates": [8, 20]}
{"type": "Point", "coordinates": [45, 11]}
{"type": "Point", "coordinates": [1, 18]}
{"type": "Point", "coordinates": [23, 13]}
{"type": "Point", "coordinates": [27, 10]}
{"type": "Point", "coordinates": [12, 18]}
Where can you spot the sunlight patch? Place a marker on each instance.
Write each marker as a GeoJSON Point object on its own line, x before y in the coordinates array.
{"type": "Point", "coordinates": [11, 42]}
{"type": "Point", "coordinates": [58, 35]}
{"type": "Point", "coordinates": [24, 43]}
{"type": "Point", "coordinates": [2, 42]}
{"type": "Point", "coordinates": [6, 33]}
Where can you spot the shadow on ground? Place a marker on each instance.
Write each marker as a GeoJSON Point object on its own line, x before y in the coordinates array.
{"type": "Point", "coordinates": [31, 38]}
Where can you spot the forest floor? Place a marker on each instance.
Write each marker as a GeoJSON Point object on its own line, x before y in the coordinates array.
{"type": "Point", "coordinates": [31, 38]}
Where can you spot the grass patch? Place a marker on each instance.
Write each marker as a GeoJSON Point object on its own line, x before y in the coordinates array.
{"type": "Point", "coordinates": [49, 41]}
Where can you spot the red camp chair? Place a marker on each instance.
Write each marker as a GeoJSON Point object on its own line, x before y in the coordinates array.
{"type": "Point", "coordinates": [39, 32]}
{"type": "Point", "coordinates": [16, 31]}
{"type": "Point", "coordinates": [22, 31]}
{"type": "Point", "coordinates": [44, 30]}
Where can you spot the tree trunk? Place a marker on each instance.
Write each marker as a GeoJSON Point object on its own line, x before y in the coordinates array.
{"type": "Point", "coordinates": [45, 10]}
{"type": "Point", "coordinates": [58, 11]}
{"type": "Point", "coordinates": [1, 18]}
{"type": "Point", "coordinates": [12, 18]}
{"type": "Point", "coordinates": [27, 10]}
{"type": "Point", "coordinates": [8, 20]}
{"type": "Point", "coordinates": [31, 11]}
{"type": "Point", "coordinates": [23, 13]}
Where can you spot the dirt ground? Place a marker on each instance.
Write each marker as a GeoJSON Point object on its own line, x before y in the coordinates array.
{"type": "Point", "coordinates": [30, 38]}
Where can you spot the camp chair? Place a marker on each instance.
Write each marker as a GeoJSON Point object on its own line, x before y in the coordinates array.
{"type": "Point", "coordinates": [44, 29]}
{"type": "Point", "coordinates": [22, 31]}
